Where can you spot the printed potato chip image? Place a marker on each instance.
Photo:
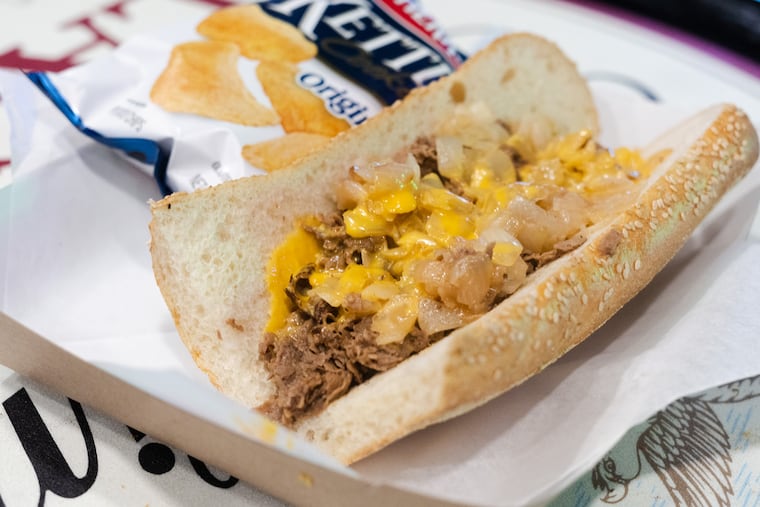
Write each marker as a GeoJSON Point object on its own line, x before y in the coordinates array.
{"type": "Point", "coordinates": [299, 109]}
{"type": "Point", "coordinates": [202, 78]}
{"type": "Point", "coordinates": [281, 152]}
{"type": "Point", "coordinates": [258, 35]}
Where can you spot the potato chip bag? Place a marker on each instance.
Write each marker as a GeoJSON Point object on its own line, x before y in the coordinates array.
{"type": "Point", "coordinates": [250, 88]}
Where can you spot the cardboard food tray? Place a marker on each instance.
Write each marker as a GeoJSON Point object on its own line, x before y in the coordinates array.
{"type": "Point", "coordinates": [94, 327]}
{"type": "Point", "coordinates": [285, 476]}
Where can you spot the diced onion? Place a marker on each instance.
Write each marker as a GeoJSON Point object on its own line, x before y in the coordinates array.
{"type": "Point", "coordinates": [380, 291]}
{"type": "Point", "coordinates": [459, 279]}
{"type": "Point", "coordinates": [515, 276]}
{"type": "Point", "coordinates": [539, 229]}
{"type": "Point", "coordinates": [350, 193]}
{"type": "Point", "coordinates": [329, 291]}
{"type": "Point", "coordinates": [470, 280]}
{"type": "Point", "coordinates": [450, 157]}
{"type": "Point", "coordinates": [536, 128]}
{"type": "Point", "coordinates": [395, 319]}
{"type": "Point", "coordinates": [434, 316]}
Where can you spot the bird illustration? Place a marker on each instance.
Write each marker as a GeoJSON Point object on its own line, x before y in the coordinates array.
{"type": "Point", "coordinates": [687, 446]}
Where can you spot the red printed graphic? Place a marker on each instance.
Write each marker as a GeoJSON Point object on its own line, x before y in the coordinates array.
{"type": "Point", "coordinates": [16, 58]}
{"type": "Point", "coordinates": [409, 14]}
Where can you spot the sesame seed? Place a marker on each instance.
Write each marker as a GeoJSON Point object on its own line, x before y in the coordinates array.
{"type": "Point", "coordinates": [497, 374]}
{"type": "Point", "coordinates": [637, 264]}
{"type": "Point", "coordinates": [584, 299]}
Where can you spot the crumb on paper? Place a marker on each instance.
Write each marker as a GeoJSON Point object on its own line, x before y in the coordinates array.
{"type": "Point", "coordinates": [265, 430]}
{"type": "Point", "coordinates": [306, 479]}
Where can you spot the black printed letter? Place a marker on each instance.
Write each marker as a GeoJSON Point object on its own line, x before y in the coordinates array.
{"type": "Point", "coordinates": [53, 472]}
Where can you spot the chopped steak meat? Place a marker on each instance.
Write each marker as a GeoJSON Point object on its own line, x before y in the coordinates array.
{"type": "Point", "coordinates": [426, 156]}
{"type": "Point", "coordinates": [340, 248]}
{"type": "Point", "coordinates": [536, 260]}
{"type": "Point", "coordinates": [325, 356]}
{"type": "Point", "coordinates": [424, 153]}
{"type": "Point", "coordinates": [609, 242]}
{"type": "Point", "coordinates": [321, 361]}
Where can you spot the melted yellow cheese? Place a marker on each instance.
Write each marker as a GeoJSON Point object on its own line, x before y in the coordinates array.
{"type": "Point", "coordinates": [420, 216]}
{"type": "Point", "coordinates": [298, 250]}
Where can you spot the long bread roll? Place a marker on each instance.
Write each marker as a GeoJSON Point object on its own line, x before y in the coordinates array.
{"type": "Point", "coordinates": [211, 248]}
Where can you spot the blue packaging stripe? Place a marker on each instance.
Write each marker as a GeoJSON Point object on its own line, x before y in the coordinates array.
{"type": "Point", "coordinates": [144, 150]}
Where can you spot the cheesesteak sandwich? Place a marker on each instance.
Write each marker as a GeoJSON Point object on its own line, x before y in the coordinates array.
{"type": "Point", "coordinates": [437, 255]}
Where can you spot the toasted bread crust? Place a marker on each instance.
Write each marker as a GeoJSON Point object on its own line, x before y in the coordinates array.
{"type": "Point", "coordinates": [210, 251]}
